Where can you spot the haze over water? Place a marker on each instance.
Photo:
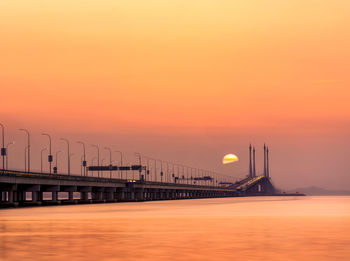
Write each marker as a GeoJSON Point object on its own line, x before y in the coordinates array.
{"type": "Point", "coordinates": [252, 228]}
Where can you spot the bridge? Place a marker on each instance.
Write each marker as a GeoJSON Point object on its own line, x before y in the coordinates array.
{"type": "Point", "coordinates": [23, 188]}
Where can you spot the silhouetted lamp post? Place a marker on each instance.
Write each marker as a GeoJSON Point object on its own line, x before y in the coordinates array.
{"type": "Point", "coordinates": [121, 162]}
{"type": "Point", "coordinates": [161, 171]}
{"type": "Point", "coordinates": [3, 149]}
{"type": "Point", "coordinates": [55, 169]}
{"type": "Point", "coordinates": [110, 161]}
{"type": "Point", "coordinates": [25, 158]}
{"type": "Point", "coordinates": [7, 153]}
{"type": "Point", "coordinates": [140, 161]}
{"type": "Point", "coordinates": [41, 160]}
{"type": "Point", "coordinates": [83, 163]}
{"type": "Point", "coordinates": [28, 146]}
{"type": "Point", "coordinates": [98, 158]}
{"type": "Point", "coordinates": [68, 154]}
{"type": "Point", "coordinates": [49, 157]}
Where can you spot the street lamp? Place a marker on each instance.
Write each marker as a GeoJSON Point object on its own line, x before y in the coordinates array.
{"type": "Point", "coordinates": [98, 158]}
{"type": "Point", "coordinates": [55, 169]}
{"type": "Point", "coordinates": [173, 173]}
{"type": "Point", "coordinates": [84, 157]}
{"type": "Point", "coordinates": [28, 146]}
{"type": "Point", "coordinates": [121, 162]}
{"type": "Point", "coordinates": [140, 163]}
{"type": "Point", "coordinates": [161, 170]}
{"type": "Point", "coordinates": [41, 160]}
{"type": "Point", "coordinates": [50, 158]}
{"type": "Point", "coordinates": [92, 164]}
{"type": "Point", "coordinates": [25, 158]}
{"type": "Point", "coordinates": [110, 161]}
{"type": "Point", "coordinates": [102, 161]}
{"type": "Point", "coordinates": [7, 146]}
{"type": "Point", "coordinates": [68, 154]}
{"type": "Point", "coordinates": [167, 172]}
{"type": "Point", "coordinates": [3, 149]}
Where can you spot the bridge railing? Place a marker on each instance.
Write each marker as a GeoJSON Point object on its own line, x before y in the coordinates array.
{"type": "Point", "coordinates": [100, 179]}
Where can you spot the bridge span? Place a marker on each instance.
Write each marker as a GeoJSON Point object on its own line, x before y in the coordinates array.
{"type": "Point", "coordinates": [29, 188]}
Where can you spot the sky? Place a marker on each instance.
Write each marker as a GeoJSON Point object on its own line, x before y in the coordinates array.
{"type": "Point", "coordinates": [183, 81]}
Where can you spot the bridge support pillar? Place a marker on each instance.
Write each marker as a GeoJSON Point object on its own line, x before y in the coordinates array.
{"type": "Point", "coordinates": [120, 195]}
{"type": "Point", "coordinates": [84, 196]}
{"type": "Point", "coordinates": [10, 196]}
{"type": "Point", "coordinates": [53, 190]}
{"type": "Point", "coordinates": [139, 194]}
{"type": "Point", "coordinates": [54, 196]}
{"type": "Point", "coordinates": [84, 193]}
{"type": "Point", "coordinates": [110, 194]}
{"type": "Point", "coordinates": [70, 195]}
{"type": "Point", "coordinates": [132, 195]}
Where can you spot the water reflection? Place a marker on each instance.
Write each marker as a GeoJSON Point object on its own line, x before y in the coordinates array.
{"type": "Point", "coordinates": [300, 228]}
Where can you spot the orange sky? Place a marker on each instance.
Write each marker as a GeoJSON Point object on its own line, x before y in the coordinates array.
{"type": "Point", "coordinates": [257, 70]}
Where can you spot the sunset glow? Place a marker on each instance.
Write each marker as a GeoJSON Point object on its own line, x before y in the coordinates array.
{"type": "Point", "coordinates": [182, 71]}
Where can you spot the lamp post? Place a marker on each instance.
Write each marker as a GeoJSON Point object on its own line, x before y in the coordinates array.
{"type": "Point", "coordinates": [41, 160]}
{"type": "Point", "coordinates": [102, 161]}
{"type": "Point", "coordinates": [187, 175]}
{"type": "Point", "coordinates": [98, 158]}
{"type": "Point", "coordinates": [68, 154]}
{"type": "Point", "coordinates": [147, 169]}
{"type": "Point", "coordinates": [140, 163]}
{"type": "Point", "coordinates": [28, 145]}
{"type": "Point", "coordinates": [173, 173]}
{"type": "Point", "coordinates": [50, 158]}
{"type": "Point", "coordinates": [25, 158]}
{"type": "Point", "coordinates": [121, 162]}
{"type": "Point", "coordinates": [83, 163]}
{"type": "Point", "coordinates": [161, 170]}
{"type": "Point", "coordinates": [191, 176]}
{"type": "Point", "coordinates": [167, 172]}
{"type": "Point", "coordinates": [155, 170]}
{"type": "Point", "coordinates": [178, 173]}
{"type": "Point", "coordinates": [56, 167]}
{"type": "Point", "coordinates": [110, 161]}
{"type": "Point", "coordinates": [7, 156]}
{"type": "Point", "coordinates": [3, 149]}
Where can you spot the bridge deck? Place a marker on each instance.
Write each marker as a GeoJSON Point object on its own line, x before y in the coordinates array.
{"type": "Point", "coordinates": [14, 186]}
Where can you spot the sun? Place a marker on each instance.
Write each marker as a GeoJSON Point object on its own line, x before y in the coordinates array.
{"type": "Point", "coordinates": [229, 158]}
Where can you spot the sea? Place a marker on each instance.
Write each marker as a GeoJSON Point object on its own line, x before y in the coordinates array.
{"type": "Point", "coordinates": [240, 228]}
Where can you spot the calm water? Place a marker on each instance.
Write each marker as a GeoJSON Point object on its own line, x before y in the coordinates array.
{"type": "Point", "coordinates": [256, 228]}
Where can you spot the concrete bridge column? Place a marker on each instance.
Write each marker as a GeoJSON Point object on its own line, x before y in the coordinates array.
{"type": "Point", "coordinates": [151, 194]}
{"type": "Point", "coordinates": [84, 193]}
{"type": "Point", "coordinates": [54, 196]}
{"type": "Point", "coordinates": [70, 195]}
{"type": "Point", "coordinates": [54, 192]}
{"type": "Point", "coordinates": [21, 196]}
{"type": "Point", "coordinates": [120, 194]}
{"type": "Point", "coordinates": [131, 195]}
{"type": "Point", "coordinates": [70, 190]}
{"type": "Point", "coordinates": [10, 196]}
{"type": "Point", "coordinates": [139, 194]}
{"type": "Point", "coordinates": [84, 196]}
{"type": "Point", "coordinates": [97, 196]}
{"type": "Point", "coordinates": [110, 194]}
